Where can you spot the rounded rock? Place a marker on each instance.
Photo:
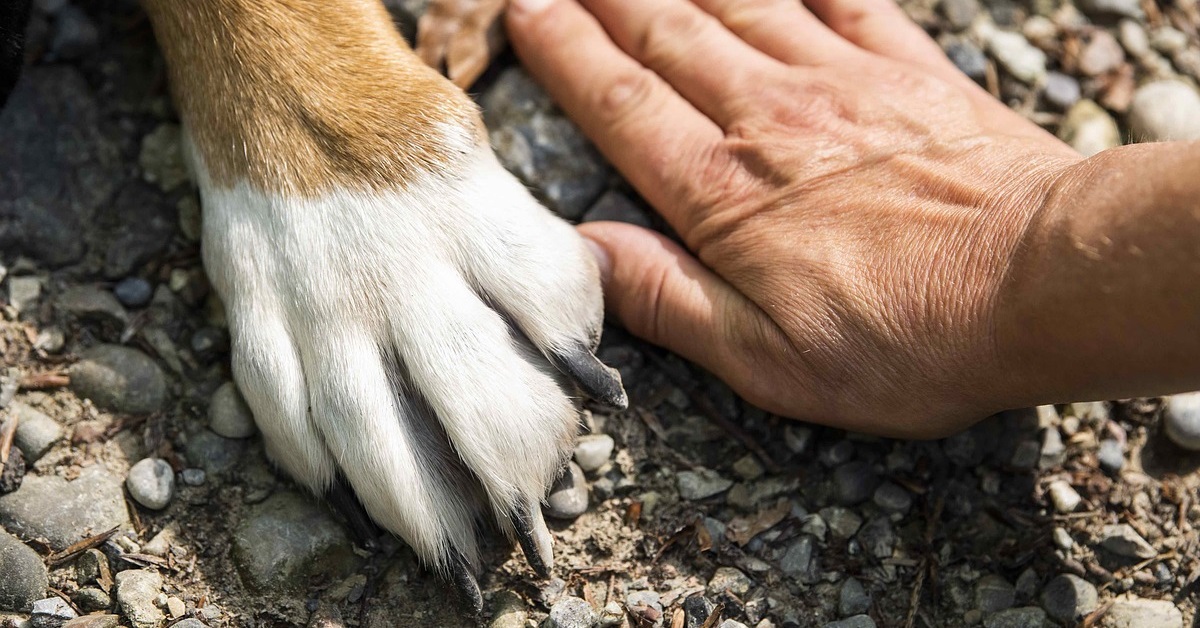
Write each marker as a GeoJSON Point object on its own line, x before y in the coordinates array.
{"type": "Point", "coordinates": [25, 580]}
{"type": "Point", "coordinates": [1068, 597]}
{"type": "Point", "coordinates": [119, 379]}
{"type": "Point", "coordinates": [593, 451]}
{"type": "Point", "coordinates": [1134, 612]}
{"type": "Point", "coordinates": [571, 612]}
{"type": "Point", "coordinates": [569, 496]}
{"type": "Point", "coordinates": [133, 291]}
{"type": "Point", "coordinates": [1110, 456]}
{"type": "Point", "coordinates": [228, 414]}
{"type": "Point", "coordinates": [1165, 110]}
{"type": "Point", "coordinates": [1089, 129]}
{"type": "Point", "coordinates": [854, 482]}
{"type": "Point", "coordinates": [853, 598]}
{"type": "Point", "coordinates": [62, 511]}
{"type": "Point", "coordinates": [136, 593]}
{"type": "Point", "coordinates": [151, 483]}
{"type": "Point", "coordinates": [1181, 420]}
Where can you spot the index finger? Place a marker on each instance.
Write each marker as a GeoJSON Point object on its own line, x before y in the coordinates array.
{"type": "Point", "coordinates": [644, 127]}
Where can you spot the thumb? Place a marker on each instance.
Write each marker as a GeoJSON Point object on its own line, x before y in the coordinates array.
{"type": "Point", "coordinates": [664, 295]}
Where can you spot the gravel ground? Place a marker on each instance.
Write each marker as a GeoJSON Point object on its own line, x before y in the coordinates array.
{"type": "Point", "coordinates": [137, 490]}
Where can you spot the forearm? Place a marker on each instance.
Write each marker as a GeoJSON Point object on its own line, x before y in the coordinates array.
{"type": "Point", "coordinates": [1102, 300]}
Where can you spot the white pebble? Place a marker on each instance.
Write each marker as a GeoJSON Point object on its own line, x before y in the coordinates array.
{"type": "Point", "coordinates": [151, 483]}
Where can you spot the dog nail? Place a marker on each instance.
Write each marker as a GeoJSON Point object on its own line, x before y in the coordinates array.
{"type": "Point", "coordinates": [464, 581]}
{"type": "Point", "coordinates": [534, 538]}
{"type": "Point", "coordinates": [596, 380]}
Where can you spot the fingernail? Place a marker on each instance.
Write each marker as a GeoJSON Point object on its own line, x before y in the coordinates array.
{"type": "Point", "coordinates": [603, 262]}
{"type": "Point", "coordinates": [529, 7]}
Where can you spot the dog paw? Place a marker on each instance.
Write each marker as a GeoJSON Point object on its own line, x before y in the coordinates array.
{"type": "Point", "coordinates": [425, 346]}
{"type": "Point", "coordinates": [462, 35]}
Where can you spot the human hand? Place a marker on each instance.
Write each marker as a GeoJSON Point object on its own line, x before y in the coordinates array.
{"type": "Point", "coordinates": [849, 201]}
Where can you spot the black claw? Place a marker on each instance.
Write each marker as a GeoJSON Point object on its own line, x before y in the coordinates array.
{"type": "Point", "coordinates": [596, 380]}
{"type": "Point", "coordinates": [464, 581]}
{"type": "Point", "coordinates": [523, 522]}
{"type": "Point", "coordinates": [344, 500]}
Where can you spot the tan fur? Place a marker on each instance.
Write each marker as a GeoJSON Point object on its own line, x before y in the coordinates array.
{"type": "Point", "coordinates": [304, 96]}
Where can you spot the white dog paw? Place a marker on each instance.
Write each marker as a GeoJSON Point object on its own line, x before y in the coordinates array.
{"type": "Point", "coordinates": [425, 345]}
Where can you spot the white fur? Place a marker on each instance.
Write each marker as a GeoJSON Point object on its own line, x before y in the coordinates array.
{"type": "Point", "coordinates": [324, 294]}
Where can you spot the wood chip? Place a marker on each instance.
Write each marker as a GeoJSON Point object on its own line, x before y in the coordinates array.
{"type": "Point", "coordinates": [79, 547]}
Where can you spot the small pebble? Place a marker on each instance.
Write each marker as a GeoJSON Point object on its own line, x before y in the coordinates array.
{"type": "Point", "coordinates": [857, 621]}
{"type": "Point", "coordinates": [747, 467]}
{"type": "Point", "coordinates": [1110, 456]}
{"type": "Point", "coordinates": [1089, 129]}
{"type": "Point", "coordinates": [842, 522]}
{"type": "Point", "coordinates": [1133, 37]}
{"type": "Point", "coordinates": [1067, 598]}
{"type": "Point", "coordinates": [120, 379]}
{"type": "Point", "coordinates": [1133, 612]}
{"type": "Point", "coordinates": [853, 599]}
{"type": "Point", "coordinates": [51, 612]}
{"type": "Point", "coordinates": [91, 599]}
{"type": "Point", "coordinates": [993, 594]}
{"type": "Point", "coordinates": [892, 498]}
{"type": "Point", "coordinates": [959, 13]}
{"type": "Point", "coordinates": [1122, 540]}
{"type": "Point", "coordinates": [1021, 58]}
{"type": "Point", "coordinates": [228, 414]}
{"type": "Point", "coordinates": [571, 612]}
{"type": "Point", "coordinates": [151, 483]}
{"type": "Point", "coordinates": [1181, 420]}
{"type": "Point", "coordinates": [569, 496]}
{"type": "Point", "coordinates": [1063, 539]}
{"type": "Point", "coordinates": [701, 484]}
{"type": "Point", "coordinates": [193, 477]}
{"type": "Point", "coordinates": [1024, 617]}
{"type": "Point", "coordinates": [133, 291]}
{"type": "Point", "coordinates": [1168, 40]}
{"type": "Point", "coordinates": [23, 578]}
{"type": "Point", "coordinates": [1101, 55]}
{"type": "Point", "coordinates": [1165, 110]}
{"type": "Point", "coordinates": [137, 591]}
{"type": "Point", "coordinates": [729, 579]}
{"type": "Point", "coordinates": [854, 482]}
{"type": "Point", "coordinates": [1063, 496]}
{"type": "Point", "coordinates": [36, 432]}
{"type": "Point", "coordinates": [1121, 8]}
{"type": "Point", "coordinates": [24, 292]}
{"type": "Point", "coordinates": [1061, 90]}
{"type": "Point", "coordinates": [969, 59]}
{"type": "Point", "coordinates": [593, 451]}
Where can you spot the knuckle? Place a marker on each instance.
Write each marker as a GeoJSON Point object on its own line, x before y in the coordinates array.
{"type": "Point", "coordinates": [668, 34]}
{"type": "Point", "coordinates": [626, 95]}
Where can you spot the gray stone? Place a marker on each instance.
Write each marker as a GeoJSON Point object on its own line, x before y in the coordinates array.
{"type": "Point", "coordinates": [1168, 40]}
{"type": "Point", "coordinates": [284, 540]}
{"type": "Point", "coordinates": [1068, 597]}
{"type": "Point", "coordinates": [509, 611]}
{"type": "Point", "coordinates": [968, 58]}
{"type": "Point", "coordinates": [1061, 90]}
{"type": "Point", "coordinates": [1062, 538]}
{"type": "Point", "coordinates": [748, 467]}
{"type": "Point", "coordinates": [1024, 617]}
{"type": "Point", "coordinates": [1063, 496]}
{"type": "Point", "coordinates": [92, 304]}
{"type": "Point", "coordinates": [993, 594]}
{"type": "Point", "coordinates": [730, 623]}
{"type": "Point", "coordinates": [1110, 455]}
{"type": "Point", "coordinates": [51, 612]}
{"type": "Point", "coordinates": [214, 454]}
{"type": "Point", "coordinates": [1121, 8]}
{"type": "Point", "coordinates": [593, 451]}
{"type": "Point", "coordinates": [729, 579]}
{"type": "Point", "coordinates": [136, 592]}
{"type": "Point", "coordinates": [111, 621]}
{"type": "Point", "coordinates": [571, 612]}
{"type": "Point", "coordinates": [857, 621]}
{"type": "Point", "coordinates": [228, 414]}
{"type": "Point", "coordinates": [799, 561]}
{"type": "Point", "coordinates": [1089, 129]}
{"type": "Point", "coordinates": [161, 158]}
{"type": "Point", "coordinates": [701, 484]}
{"type": "Point", "coordinates": [836, 453]}
{"type": "Point", "coordinates": [814, 525]}
{"type": "Point", "coordinates": [854, 482]}
{"type": "Point", "coordinates": [892, 498]}
{"type": "Point", "coordinates": [1133, 37]}
{"type": "Point", "coordinates": [145, 228]}
{"type": "Point", "coordinates": [24, 578]}
{"type": "Point", "coordinates": [842, 522]}
{"type": "Point", "coordinates": [1165, 110]}
{"type": "Point", "coordinates": [877, 537]}
{"type": "Point", "coordinates": [798, 438]}
{"type": "Point", "coordinates": [1020, 58]}
{"type": "Point", "coordinates": [90, 599]}
{"type": "Point", "coordinates": [536, 142]}
{"type": "Point", "coordinates": [50, 339]}
{"type": "Point", "coordinates": [133, 291]}
{"type": "Point", "coordinates": [1028, 584]}
{"type": "Point", "coordinates": [24, 292]}
{"type": "Point", "coordinates": [959, 13]}
{"type": "Point", "coordinates": [64, 512]}
{"type": "Point", "coordinates": [853, 598]}
{"type": "Point", "coordinates": [51, 126]}
{"type": "Point", "coordinates": [569, 496]}
{"type": "Point", "coordinates": [617, 207]}
{"type": "Point", "coordinates": [119, 379]}
{"type": "Point", "coordinates": [1181, 420]}
{"type": "Point", "coordinates": [1133, 612]}
{"type": "Point", "coordinates": [36, 432]}
{"type": "Point", "coordinates": [644, 604]}
{"type": "Point", "coordinates": [193, 477]}
{"type": "Point", "coordinates": [151, 483]}
{"type": "Point", "coordinates": [90, 566]}
{"type": "Point", "coordinates": [1122, 540]}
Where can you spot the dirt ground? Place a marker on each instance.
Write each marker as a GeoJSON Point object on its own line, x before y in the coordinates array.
{"type": "Point", "coordinates": [803, 508]}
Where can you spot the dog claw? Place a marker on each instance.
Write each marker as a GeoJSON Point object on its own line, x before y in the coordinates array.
{"type": "Point", "coordinates": [534, 538]}
{"type": "Point", "coordinates": [597, 381]}
{"type": "Point", "coordinates": [343, 500]}
{"type": "Point", "coordinates": [464, 581]}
